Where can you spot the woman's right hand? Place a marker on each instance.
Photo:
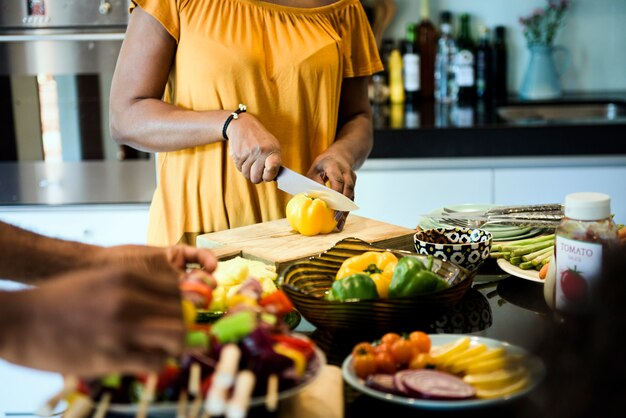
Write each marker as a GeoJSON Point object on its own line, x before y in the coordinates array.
{"type": "Point", "coordinates": [254, 150]}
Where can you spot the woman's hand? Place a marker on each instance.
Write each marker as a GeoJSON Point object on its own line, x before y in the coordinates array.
{"type": "Point", "coordinates": [335, 172]}
{"type": "Point", "coordinates": [96, 321]}
{"type": "Point", "coordinates": [255, 151]}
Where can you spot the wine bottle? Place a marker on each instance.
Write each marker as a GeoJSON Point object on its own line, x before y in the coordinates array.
{"type": "Point", "coordinates": [445, 83]}
{"type": "Point", "coordinates": [464, 62]}
{"type": "Point", "coordinates": [427, 48]}
{"type": "Point", "coordinates": [484, 84]}
{"type": "Point", "coordinates": [396, 85]}
{"type": "Point", "coordinates": [499, 65]}
{"type": "Point", "coordinates": [410, 65]}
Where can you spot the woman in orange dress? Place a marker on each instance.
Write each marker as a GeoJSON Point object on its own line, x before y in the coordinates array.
{"type": "Point", "coordinates": [301, 68]}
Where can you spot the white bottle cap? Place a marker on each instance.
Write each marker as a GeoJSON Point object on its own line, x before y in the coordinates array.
{"type": "Point", "coordinates": [587, 206]}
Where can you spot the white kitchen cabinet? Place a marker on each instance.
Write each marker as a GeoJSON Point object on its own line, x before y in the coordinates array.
{"type": "Point", "coordinates": [104, 224]}
{"type": "Point", "coordinates": [514, 186]}
{"type": "Point", "coordinates": [399, 196]}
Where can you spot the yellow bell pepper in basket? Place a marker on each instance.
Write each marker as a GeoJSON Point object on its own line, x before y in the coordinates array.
{"type": "Point", "coordinates": [379, 265]}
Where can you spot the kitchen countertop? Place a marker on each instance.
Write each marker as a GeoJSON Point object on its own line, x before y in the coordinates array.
{"type": "Point", "coordinates": [433, 130]}
{"type": "Point", "coordinates": [77, 183]}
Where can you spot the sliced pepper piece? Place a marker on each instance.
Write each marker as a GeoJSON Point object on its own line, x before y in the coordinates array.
{"type": "Point", "coordinates": [277, 302]}
{"type": "Point", "coordinates": [305, 346]}
{"type": "Point", "coordinates": [234, 327]}
{"type": "Point", "coordinates": [298, 358]}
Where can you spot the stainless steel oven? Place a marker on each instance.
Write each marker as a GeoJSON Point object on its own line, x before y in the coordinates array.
{"type": "Point", "coordinates": [57, 59]}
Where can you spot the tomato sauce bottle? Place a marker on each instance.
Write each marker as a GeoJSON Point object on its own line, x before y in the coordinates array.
{"type": "Point", "coordinates": [581, 238]}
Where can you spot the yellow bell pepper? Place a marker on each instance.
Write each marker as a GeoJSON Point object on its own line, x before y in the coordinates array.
{"type": "Point", "coordinates": [379, 265]}
{"type": "Point", "coordinates": [310, 216]}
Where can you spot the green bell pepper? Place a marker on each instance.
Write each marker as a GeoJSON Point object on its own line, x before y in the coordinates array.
{"type": "Point", "coordinates": [411, 278]}
{"type": "Point", "coordinates": [355, 286]}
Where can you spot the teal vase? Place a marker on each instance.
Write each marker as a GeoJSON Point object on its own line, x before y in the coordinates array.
{"type": "Point", "coordinates": [541, 80]}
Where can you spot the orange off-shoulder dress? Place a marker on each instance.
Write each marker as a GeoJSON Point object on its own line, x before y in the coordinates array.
{"type": "Point", "coordinates": [286, 65]}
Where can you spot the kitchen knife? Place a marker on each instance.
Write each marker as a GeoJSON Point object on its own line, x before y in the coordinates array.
{"type": "Point", "coordinates": [293, 183]}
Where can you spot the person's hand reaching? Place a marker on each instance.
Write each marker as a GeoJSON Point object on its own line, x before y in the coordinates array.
{"type": "Point", "coordinates": [97, 321]}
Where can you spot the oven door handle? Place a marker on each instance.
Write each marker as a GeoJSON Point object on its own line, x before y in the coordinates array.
{"type": "Point", "coordinates": [85, 37]}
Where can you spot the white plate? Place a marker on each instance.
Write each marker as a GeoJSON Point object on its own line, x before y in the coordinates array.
{"type": "Point", "coordinates": [499, 232]}
{"type": "Point", "coordinates": [168, 409]}
{"type": "Point", "coordinates": [534, 364]}
{"type": "Point", "coordinates": [532, 275]}
{"type": "Point", "coordinates": [529, 234]}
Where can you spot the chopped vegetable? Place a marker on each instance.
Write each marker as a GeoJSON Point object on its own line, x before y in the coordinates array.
{"type": "Point", "coordinates": [433, 384]}
{"type": "Point", "coordinates": [277, 303]}
{"type": "Point", "coordinates": [233, 327]}
{"type": "Point", "coordinates": [383, 382]}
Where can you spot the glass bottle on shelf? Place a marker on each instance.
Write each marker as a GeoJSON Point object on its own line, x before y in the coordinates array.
{"type": "Point", "coordinates": [396, 85]}
{"type": "Point", "coordinates": [387, 46]}
{"type": "Point", "coordinates": [410, 65]}
{"type": "Point", "coordinates": [427, 48]}
{"type": "Point", "coordinates": [445, 84]}
{"type": "Point", "coordinates": [484, 85]}
{"type": "Point", "coordinates": [499, 64]}
{"type": "Point", "coordinates": [464, 62]}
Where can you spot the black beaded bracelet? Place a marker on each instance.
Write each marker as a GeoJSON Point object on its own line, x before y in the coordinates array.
{"type": "Point", "coordinates": [235, 115]}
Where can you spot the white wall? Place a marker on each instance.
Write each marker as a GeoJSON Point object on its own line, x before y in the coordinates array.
{"type": "Point", "coordinates": [594, 32]}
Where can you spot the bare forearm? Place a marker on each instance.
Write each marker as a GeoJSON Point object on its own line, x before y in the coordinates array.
{"type": "Point", "coordinates": [28, 257]}
{"type": "Point", "coordinates": [155, 126]}
{"type": "Point", "coordinates": [355, 139]}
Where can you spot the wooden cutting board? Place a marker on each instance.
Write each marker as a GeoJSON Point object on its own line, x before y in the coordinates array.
{"type": "Point", "coordinates": [276, 242]}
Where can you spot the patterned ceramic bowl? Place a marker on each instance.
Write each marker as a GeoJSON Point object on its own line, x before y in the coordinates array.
{"type": "Point", "coordinates": [466, 247]}
{"type": "Point", "coordinates": [307, 282]}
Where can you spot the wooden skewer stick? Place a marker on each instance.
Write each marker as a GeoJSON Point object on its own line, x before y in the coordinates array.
{"type": "Point", "coordinates": [193, 386]}
{"type": "Point", "coordinates": [181, 408]}
{"type": "Point", "coordinates": [240, 402]}
{"type": "Point", "coordinates": [195, 390]}
{"type": "Point", "coordinates": [223, 379]}
{"type": "Point", "coordinates": [227, 366]}
{"type": "Point", "coordinates": [271, 398]}
{"type": "Point", "coordinates": [215, 403]}
{"type": "Point", "coordinates": [196, 405]}
{"type": "Point", "coordinates": [147, 396]}
{"type": "Point", "coordinates": [80, 407]}
{"type": "Point", "coordinates": [70, 383]}
{"type": "Point", "coordinates": [103, 406]}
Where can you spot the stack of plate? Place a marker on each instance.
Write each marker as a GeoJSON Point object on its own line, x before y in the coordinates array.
{"type": "Point", "coordinates": [499, 232]}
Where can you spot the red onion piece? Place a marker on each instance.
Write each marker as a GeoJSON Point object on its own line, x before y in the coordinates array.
{"type": "Point", "coordinates": [432, 384]}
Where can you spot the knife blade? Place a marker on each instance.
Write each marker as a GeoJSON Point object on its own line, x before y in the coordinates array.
{"type": "Point", "coordinates": [293, 183]}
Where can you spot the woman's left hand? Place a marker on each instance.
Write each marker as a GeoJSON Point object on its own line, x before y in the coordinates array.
{"type": "Point", "coordinates": [335, 172]}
